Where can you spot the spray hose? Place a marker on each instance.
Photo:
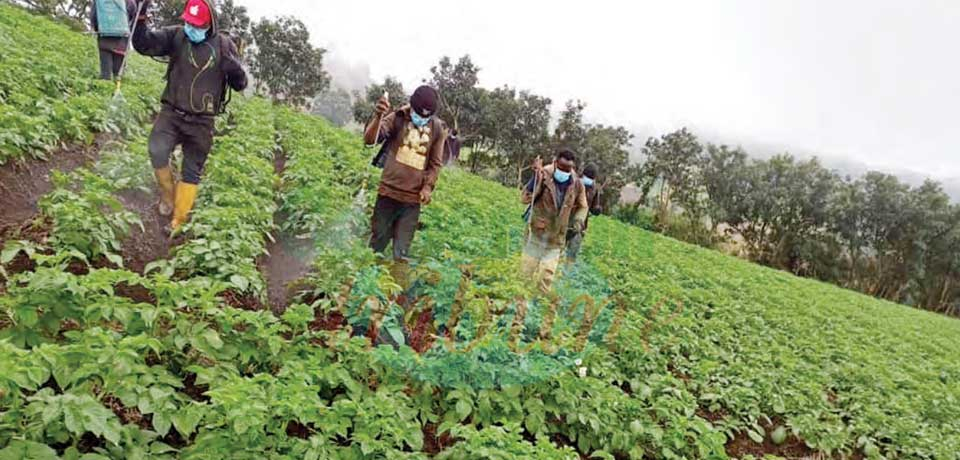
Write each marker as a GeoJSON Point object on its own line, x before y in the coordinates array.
{"type": "Point", "coordinates": [123, 62]}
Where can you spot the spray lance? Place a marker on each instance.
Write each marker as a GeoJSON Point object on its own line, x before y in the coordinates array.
{"type": "Point", "coordinates": [380, 159]}
{"type": "Point", "coordinates": [123, 63]}
{"type": "Point", "coordinates": [536, 186]}
{"type": "Point", "coordinates": [386, 96]}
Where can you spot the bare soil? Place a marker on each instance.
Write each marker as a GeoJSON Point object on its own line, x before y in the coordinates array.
{"type": "Point", "coordinates": [35, 231]}
{"type": "Point", "coordinates": [434, 443]}
{"type": "Point", "coordinates": [194, 391]}
{"type": "Point", "coordinates": [422, 336]}
{"type": "Point", "coordinates": [136, 293]}
{"type": "Point", "coordinates": [792, 448]}
{"type": "Point", "coordinates": [241, 301]}
{"type": "Point", "coordinates": [298, 430]}
{"type": "Point", "coordinates": [328, 322]}
{"type": "Point", "coordinates": [290, 260]}
{"type": "Point", "coordinates": [128, 415]}
{"type": "Point", "coordinates": [23, 183]}
{"type": "Point", "coordinates": [142, 247]}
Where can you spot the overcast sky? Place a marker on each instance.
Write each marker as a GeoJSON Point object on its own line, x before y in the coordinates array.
{"type": "Point", "coordinates": [876, 82]}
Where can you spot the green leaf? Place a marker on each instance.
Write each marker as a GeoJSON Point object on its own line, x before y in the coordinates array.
{"type": "Point", "coordinates": [213, 339]}
{"type": "Point", "coordinates": [779, 435]}
{"type": "Point", "coordinates": [756, 437]}
{"type": "Point", "coordinates": [186, 420]}
{"type": "Point", "coordinates": [463, 409]}
{"type": "Point", "coordinates": [241, 282]}
{"type": "Point", "coordinates": [28, 316]}
{"type": "Point", "coordinates": [27, 450]}
{"type": "Point", "coordinates": [161, 423]}
{"type": "Point", "coordinates": [94, 457]}
{"type": "Point", "coordinates": [115, 259]}
{"type": "Point", "coordinates": [9, 254]}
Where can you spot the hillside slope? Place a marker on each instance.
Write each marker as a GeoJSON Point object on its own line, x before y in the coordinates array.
{"type": "Point", "coordinates": [653, 348]}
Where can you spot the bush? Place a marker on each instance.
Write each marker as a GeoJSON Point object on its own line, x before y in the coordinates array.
{"type": "Point", "coordinates": [635, 215]}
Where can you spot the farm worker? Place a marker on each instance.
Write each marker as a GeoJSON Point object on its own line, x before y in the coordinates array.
{"type": "Point", "coordinates": [451, 151]}
{"type": "Point", "coordinates": [414, 138]}
{"type": "Point", "coordinates": [575, 236]}
{"type": "Point", "coordinates": [558, 201]}
{"type": "Point", "coordinates": [112, 39]}
{"type": "Point", "coordinates": [202, 63]}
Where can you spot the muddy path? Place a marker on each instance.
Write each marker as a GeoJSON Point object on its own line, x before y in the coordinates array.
{"type": "Point", "coordinates": [23, 183]}
{"type": "Point", "coordinates": [289, 258]}
{"type": "Point", "coordinates": [142, 247]}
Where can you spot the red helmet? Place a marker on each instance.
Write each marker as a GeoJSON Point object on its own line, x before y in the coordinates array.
{"type": "Point", "coordinates": [197, 13]}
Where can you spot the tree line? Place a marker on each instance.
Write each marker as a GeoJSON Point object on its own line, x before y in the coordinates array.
{"type": "Point", "coordinates": [873, 233]}
{"type": "Point", "coordinates": [284, 65]}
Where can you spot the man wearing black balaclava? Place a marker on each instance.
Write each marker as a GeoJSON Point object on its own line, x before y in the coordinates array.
{"type": "Point", "coordinates": [414, 138]}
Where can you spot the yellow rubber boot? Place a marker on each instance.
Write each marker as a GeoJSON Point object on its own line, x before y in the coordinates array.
{"type": "Point", "coordinates": [186, 194]}
{"type": "Point", "coordinates": [166, 185]}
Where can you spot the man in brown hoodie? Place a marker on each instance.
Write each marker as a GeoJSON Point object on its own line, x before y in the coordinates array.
{"type": "Point", "coordinates": [558, 201]}
{"type": "Point", "coordinates": [414, 139]}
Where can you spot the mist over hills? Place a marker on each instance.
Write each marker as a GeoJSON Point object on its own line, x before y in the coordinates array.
{"type": "Point", "coordinates": [763, 150]}
{"type": "Point", "coordinates": [853, 168]}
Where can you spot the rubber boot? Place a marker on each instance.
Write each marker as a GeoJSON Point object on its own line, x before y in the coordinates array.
{"type": "Point", "coordinates": [186, 195]}
{"type": "Point", "coordinates": [166, 185]}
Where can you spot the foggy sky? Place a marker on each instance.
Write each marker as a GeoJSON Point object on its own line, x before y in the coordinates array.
{"type": "Point", "coordinates": [875, 82]}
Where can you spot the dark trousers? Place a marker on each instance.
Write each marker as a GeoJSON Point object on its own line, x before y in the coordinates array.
{"type": "Point", "coordinates": [574, 240]}
{"type": "Point", "coordinates": [394, 220]}
{"type": "Point", "coordinates": [194, 133]}
{"type": "Point", "coordinates": [110, 63]}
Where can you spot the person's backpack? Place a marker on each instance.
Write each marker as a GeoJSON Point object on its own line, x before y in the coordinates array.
{"type": "Point", "coordinates": [112, 18]}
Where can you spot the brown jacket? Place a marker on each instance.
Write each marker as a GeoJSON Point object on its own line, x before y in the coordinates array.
{"type": "Point", "coordinates": [549, 222]}
{"type": "Point", "coordinates": [414, 156]}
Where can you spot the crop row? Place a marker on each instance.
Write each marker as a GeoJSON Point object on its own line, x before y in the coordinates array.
{"type": "Point", "coordinates": [763, 350]}
{"type": "Point", "coordinates": [48, 90]}
{"type": "Point", "coordinates": [326, 188]}
{"type": "Point", "coordinates": [234, 210]}
{"type": "Point", "coordinates": [483, 385]}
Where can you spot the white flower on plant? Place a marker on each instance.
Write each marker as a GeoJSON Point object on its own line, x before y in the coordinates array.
{"type": "Point", "coordinates": [583, 372]}
{"type": "Point", "coordinates": [578, 362]}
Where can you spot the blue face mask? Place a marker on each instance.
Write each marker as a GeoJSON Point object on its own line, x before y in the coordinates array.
{"type": "Point", "coordinates": [561, 176]}
{"type": "Point", "coordinates": [417, 120]}
{"type": "Point", "coordinates": [195, 34]}
{"type": "Point", "coordinates": [587, 181]}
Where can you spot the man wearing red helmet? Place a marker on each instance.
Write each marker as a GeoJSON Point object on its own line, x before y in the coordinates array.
{"type": "Point", "coordinates": [202, 63]}
{"type": "Point", "coordinates": [414, 137]}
